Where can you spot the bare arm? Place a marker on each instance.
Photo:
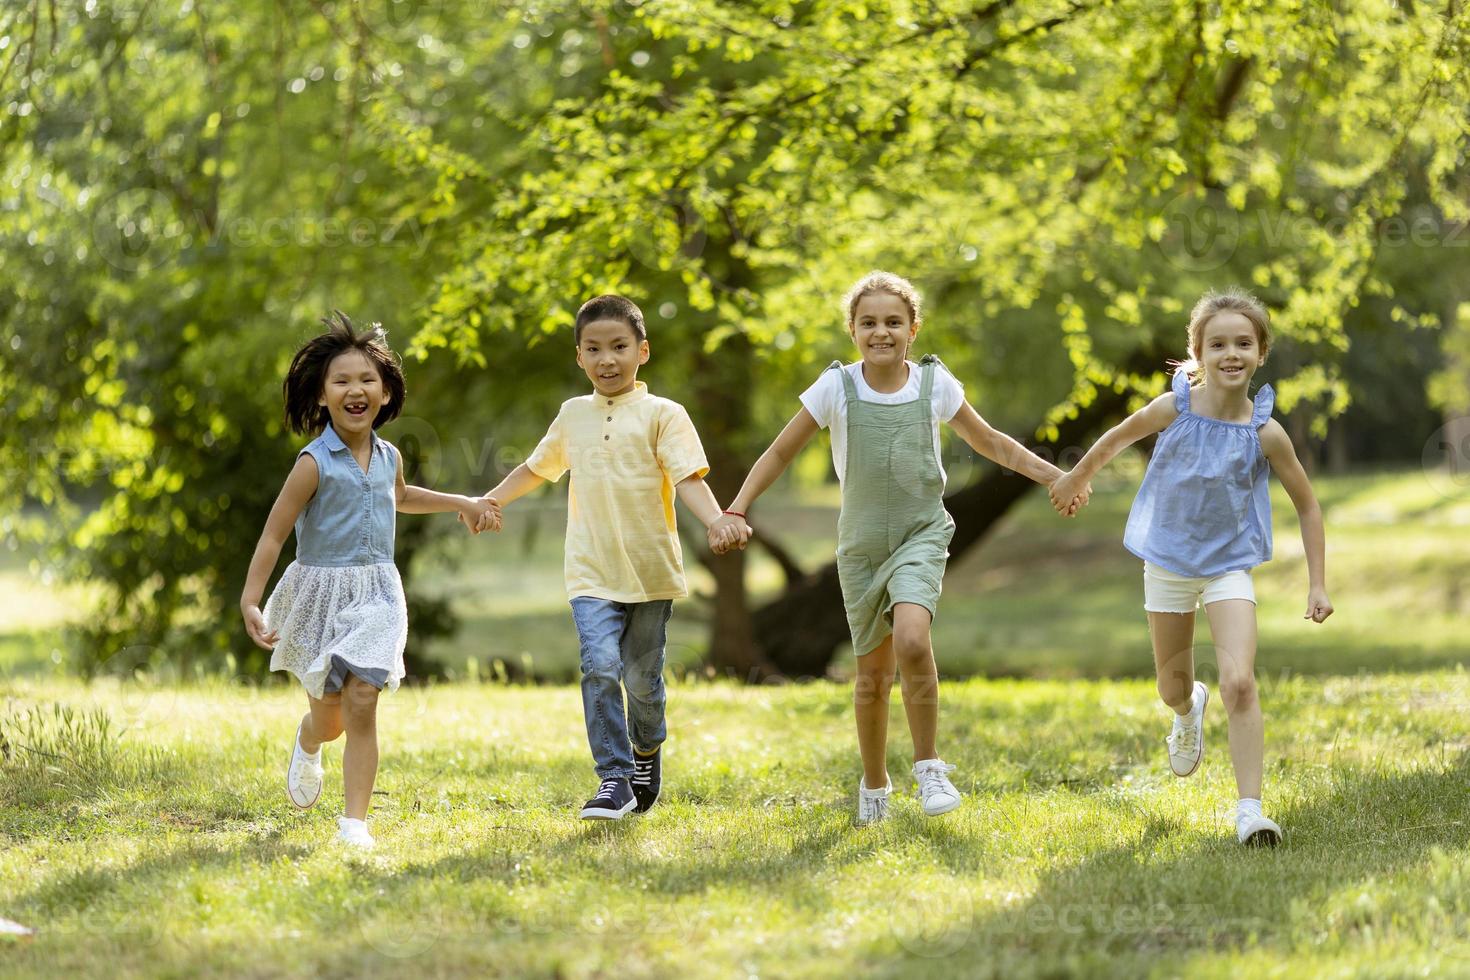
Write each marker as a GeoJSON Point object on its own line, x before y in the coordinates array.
{"type": "Point", "coordinates": [297, 492]}
{"type": "Point", "coordinates": [775, 459]}
{"type": "Point", "coordinates": [731, 531]}
{"type": "Point", "coordinates": [421, 500]}
{"type": "Point", "coordinates": [1000, 448]}
{"type": "Point", "coordinates": [699, 498]}
{"type": "Point", "coordinates": [1151, 418]}
{"type": "Point", "coordinates": [1276, 444]}
{"type": "Point", "coordinates": [517, 483]}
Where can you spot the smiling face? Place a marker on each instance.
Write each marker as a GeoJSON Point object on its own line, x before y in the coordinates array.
{"type": "Point", "coordinates": [1230, 350]}
{"type": "Point", "coordinates": [352, 392]}
{"type": "Point", "coordinates": [610, 352]}
{"type": "Point", "coordinates": [882, 329]}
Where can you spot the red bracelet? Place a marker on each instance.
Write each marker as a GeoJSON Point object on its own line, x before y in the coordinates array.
{"type": "Point", "coordinates": [734, 513]}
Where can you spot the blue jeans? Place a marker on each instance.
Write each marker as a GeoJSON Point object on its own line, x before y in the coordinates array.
{"type": "Point", "coordinates": [622, 648]}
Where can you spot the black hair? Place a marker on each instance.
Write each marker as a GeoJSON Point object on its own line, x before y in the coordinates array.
{"type": "Point", "coordinates": [307, 375]}
{"type": "Point", "coordinates": [611, 307]}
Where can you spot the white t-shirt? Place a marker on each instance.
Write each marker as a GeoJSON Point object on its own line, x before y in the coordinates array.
{"type": "Point", "coordinates": [827, 402]}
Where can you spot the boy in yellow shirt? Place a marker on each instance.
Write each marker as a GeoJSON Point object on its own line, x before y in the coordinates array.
{"type": "Point", "coordinates": [629, 454]}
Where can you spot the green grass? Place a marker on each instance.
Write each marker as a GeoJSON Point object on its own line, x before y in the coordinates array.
{"type": "Point", "coordinates": [143, 832]}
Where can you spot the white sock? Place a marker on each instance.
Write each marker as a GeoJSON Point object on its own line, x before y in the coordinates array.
{"type": "Point", "coordinates": [863, 788]}
{"type": "Point", "coordinates": [348, 822]}
{"type": "Point", "coordinates": [1247, 807]}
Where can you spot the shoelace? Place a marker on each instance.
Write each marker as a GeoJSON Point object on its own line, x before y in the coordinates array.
{"type": "Point", "coordinates": [931, 779]}
{"type": "Point", "coordinates": [299, 773]}
{"type": "Point", "coordinates": [605, 791]}
{"type": "Point", "coordinates": [642, 771]}
{"type": "Point", "coordinates": [1184, 740]}
{"type": "Point", "coordinates": [874, 808]}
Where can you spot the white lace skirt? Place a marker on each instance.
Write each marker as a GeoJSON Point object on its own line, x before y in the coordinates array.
{"type": "Point", "coordinates": [353, 615]}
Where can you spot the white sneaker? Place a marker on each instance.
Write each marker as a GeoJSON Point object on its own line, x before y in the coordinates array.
{"type": "Point", "coordinates": [935, 790]}
{"type": "Point", "coordinates": [303, 775]}
{"type": "Point", "coordinates": [1187, 740]}
{"type": "Point", "coordinates": [354, 833]}
{"type": "Point", "coordinates": [872, 804]}
{"type": "Point", "coordinates": [1256, 830]}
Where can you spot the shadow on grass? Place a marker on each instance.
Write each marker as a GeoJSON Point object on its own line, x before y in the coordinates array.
{"type": "Point", "coordinates": [1169, 895]}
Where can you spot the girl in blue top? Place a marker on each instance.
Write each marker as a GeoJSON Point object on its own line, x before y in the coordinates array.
{"type": "Point", "coordinates": [337, 619]}
{"type": "Point", "coordinates": [1202, 521]}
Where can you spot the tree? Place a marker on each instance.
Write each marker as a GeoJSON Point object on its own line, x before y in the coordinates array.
{"type": "Point", "coordinates": [741, 163]}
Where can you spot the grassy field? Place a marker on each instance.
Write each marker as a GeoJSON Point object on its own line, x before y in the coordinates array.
{"type": "Point", "coordinates": [144, 832]}
{"type": "Point", "coordinates": [143, 829]}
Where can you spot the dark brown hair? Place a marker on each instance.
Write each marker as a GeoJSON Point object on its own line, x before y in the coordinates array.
{"type": "Point", "coordinates": [307, 375]}
{"type": "Point", "coordinates": [611, 307]}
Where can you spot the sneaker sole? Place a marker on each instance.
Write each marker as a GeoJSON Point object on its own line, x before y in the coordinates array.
{"type": "Point", "coordinates": [600, 813]}
{"type": "Point", "coordinates": [1263, 838]}
{"type": "Point", "coordinates": [296, 742]}
{"type": "Point", "coordinates": [1201, 757]}
{"type": "Point", "coordinates": [943, 810]}
{"type": "Point", "coordinates": [643, 807]}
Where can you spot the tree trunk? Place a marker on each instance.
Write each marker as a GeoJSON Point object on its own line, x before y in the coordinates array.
{"type": "Point", "coordinates": [724, 412]}
{"type": "Point", "coordinates": [799, 631]}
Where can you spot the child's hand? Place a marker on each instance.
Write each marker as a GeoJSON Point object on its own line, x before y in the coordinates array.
{"type": "Point", "coordinates": [1065, 494]}
{"type": "Point", "coordinates": [480, 514]}
{"type": "Point", "coordinates": [255, 626]}
{"type": "Point", "coordinates": [1319, 607]}
{"type": "Point", "coordinates": [490, 519]}
{"type": "Point", "coordinates": [728, 532]}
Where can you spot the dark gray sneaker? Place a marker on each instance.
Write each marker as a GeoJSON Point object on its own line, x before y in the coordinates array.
{"type": "Point", "coordinates": [614, 799]}
{"type": "Point", "coordinates": [648, 778]}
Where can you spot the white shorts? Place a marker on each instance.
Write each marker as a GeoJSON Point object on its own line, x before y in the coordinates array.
{"type": "Point", "coordinates": [1166, 592]}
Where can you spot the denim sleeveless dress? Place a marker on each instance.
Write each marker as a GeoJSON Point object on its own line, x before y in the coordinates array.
{"type": "Point", "coordinates": [1204, 508]}
{"type": "Point", "coordinates": [339, 607]}
{"type": "Point", "coordinates": [893, 532]}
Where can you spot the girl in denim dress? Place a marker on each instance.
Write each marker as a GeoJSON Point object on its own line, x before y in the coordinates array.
{"type": "Point", "coordinates": [1202, 521]}
{"type": "Point", "coordinates": [337, 620]}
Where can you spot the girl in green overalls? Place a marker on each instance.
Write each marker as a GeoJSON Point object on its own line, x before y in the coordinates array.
{"type": "Point", "coordinates": [893, 533]}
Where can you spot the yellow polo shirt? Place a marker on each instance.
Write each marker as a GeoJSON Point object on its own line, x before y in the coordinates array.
{"type": "Point", "coordinates": [625, 453]}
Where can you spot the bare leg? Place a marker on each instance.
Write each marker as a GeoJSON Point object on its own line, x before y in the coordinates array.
{"type": "Point", "coordinates": [918, 675]}
{"type": "Point", "coordinates": [323, 722]}
{"type": "Point", "coordinates": [360, 759]}
{"type": "Point", "coordinates": [870, 692]}
{"type": "Point", "coordinates": [1173, 639]}
{"type": "Point", "coordinates": [1233, 625]}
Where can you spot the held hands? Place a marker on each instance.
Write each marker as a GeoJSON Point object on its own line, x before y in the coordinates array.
{"type": "Point", "coordinates": [1319, 607]}
{"type": "Point", "coordinates": [260, 635]}
{"type": "Point", "coordinates": [480, 514]}
{"type": "Point", "coordinates": [728, 531]}
{"type": "Point", "coordinates": [1069, 494]}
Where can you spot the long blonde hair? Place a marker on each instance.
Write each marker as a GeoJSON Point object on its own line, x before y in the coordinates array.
{"type": "Point", "coordinates": [1232, 299]}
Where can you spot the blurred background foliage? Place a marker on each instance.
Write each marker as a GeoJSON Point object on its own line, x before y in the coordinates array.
{"type": "Point", "coordinates": [185, 188]}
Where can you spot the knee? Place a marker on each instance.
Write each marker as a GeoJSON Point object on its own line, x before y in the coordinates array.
{"type": "Point", "coordinates": [643, 686]}
{"type": "Point", "coordinates": [602, 665]}
{"type": "Point", "coordinates": [1238, 692]}
{"type": "Point", "coordinates": [911, 647]}
{"type": "Point", "coordinates": [360, 707]}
